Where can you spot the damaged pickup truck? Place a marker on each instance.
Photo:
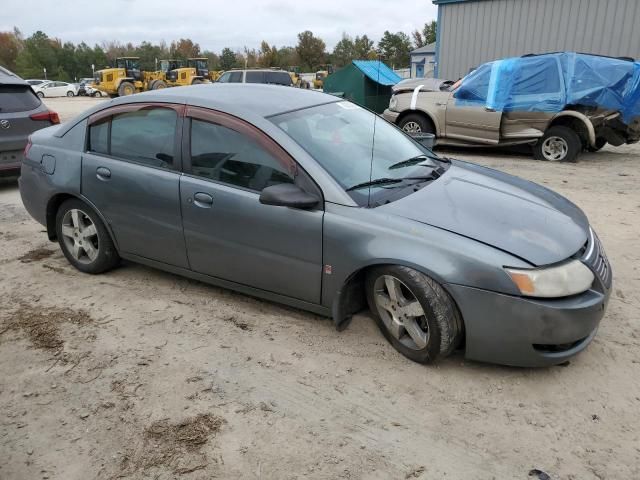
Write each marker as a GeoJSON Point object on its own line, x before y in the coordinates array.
{"type": "Point", "coordinates": [561, 103]}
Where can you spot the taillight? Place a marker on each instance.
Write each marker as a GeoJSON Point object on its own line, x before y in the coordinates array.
{"type": "Point", "coordinates": [27, 147]}
{"type": "Point", "coordinates": [50, 116]}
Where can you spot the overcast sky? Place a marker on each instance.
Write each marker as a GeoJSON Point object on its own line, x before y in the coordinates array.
{"type": "Point", "coordinates": [214, 24]}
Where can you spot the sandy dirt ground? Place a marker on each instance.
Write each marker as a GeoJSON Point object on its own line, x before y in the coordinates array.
{"type": "Point", "coordinates": [142, 374]}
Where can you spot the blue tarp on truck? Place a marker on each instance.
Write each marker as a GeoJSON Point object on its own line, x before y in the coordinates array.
{"type": "Point", "coordinates": [553, 82]}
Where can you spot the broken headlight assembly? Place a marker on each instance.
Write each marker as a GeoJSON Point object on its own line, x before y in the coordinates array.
{"type": "Point", "coordinates": [563, 280]}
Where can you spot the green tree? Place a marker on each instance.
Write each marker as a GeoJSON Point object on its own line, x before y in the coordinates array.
{"type": "Point", "coordinates": [310, 49]}
{"type": "Point", "coordinates": [184, 48]}
{"type": "Point", "coordinates": [287, 57]}
{"type": "Point", "coordinates": [10, 46]}
{"type": "Point", "coordinates": [268, 55]}
{"type": "Point", "coordinates": [427, 35]}
{"type": "Point", "coordinates": [363, 48]}
{"type": "Point", "coordinates": [227, 59]}
{"type": "Point", "coordinates": [344, 51]}
{"type": "Point", "coordinates": [395, 48]}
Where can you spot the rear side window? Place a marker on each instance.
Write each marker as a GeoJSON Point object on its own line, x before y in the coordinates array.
{"type": "Point", "coordinates": [254, 77]}
{"type": "Point", "coordinates": [145, 136]}
{"type": "Point", "coordinates": [536, 76]}
{"type": "Point", "coordinates": [278, 78]}
{"type": "Point", "coordinates": [221, 154]}
{"type": "Point", "coordinates": [99, 138]}
{"type": "Point", "coordinates": [17, 98]}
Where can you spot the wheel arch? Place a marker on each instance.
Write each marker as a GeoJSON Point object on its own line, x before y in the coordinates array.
{"type": "Point", "coordinates": [53, 205]}
{"type": "Point", "coordinates": [351, 297]}
{"type": "Point", "coordinates": [424, 113]}
{"type": "Point", "coordinates": [578, 122]}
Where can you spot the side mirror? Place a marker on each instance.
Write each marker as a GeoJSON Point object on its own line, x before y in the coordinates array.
{"type": "Point", "coordinates": [288, 195]}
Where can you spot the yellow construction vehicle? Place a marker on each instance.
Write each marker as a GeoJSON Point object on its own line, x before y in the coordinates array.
{"type": "Point", "coordinates": [201, 64]}
{"type": "Point", "coordinates": [298, 81]}
{"type": "Point", "coordinates": [324, 72]}
{"type": "Point", "coordinates": [123, 79]}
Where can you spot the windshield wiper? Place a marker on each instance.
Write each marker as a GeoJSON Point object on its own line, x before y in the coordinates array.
{"type": "Point", "coordinates": [412, 161]}
{"type": "Point", "coordinates": [390, 181]}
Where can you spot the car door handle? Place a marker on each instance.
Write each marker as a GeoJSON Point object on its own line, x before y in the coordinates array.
{"type": "Point", "coordinates": [489, 109]}
{"type": "Point", "coordinates": [203, 200]}
{"type": "Point", "coordinates": [103, 173]}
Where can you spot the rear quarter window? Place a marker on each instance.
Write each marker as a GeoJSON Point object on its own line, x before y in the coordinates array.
{"type": "Point", "coordinates": [17, 98]}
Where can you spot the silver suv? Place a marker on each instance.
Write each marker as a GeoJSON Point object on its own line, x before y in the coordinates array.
{"type": "Point", "coordinates": [21, 113]}
{"type": "Point", "coordinates": [266, 75]}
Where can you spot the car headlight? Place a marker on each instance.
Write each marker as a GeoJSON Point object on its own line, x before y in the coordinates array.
{"type": "Point", "coordinates": [393, 103]}
{"type": "Point", "coordinates": [552, 282]}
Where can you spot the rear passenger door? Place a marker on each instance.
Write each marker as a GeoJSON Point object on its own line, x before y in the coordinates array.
{"type": "Point", "coordinates": [131, 173]}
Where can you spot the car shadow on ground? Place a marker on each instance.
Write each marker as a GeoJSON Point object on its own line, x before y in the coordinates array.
{"type": "Point", "coordinates": [8, 183]}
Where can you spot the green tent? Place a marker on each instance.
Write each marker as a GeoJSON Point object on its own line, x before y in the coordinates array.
{"type": "Point", "coordinates": [365, 82]}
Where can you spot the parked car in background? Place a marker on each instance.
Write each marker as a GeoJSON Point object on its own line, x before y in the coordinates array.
{"type": "Point", "coordinates": [265, 75]}
{"type": "Point", "coordinates": [561, 103]}
{"type": "Point", "coordinates": [91, 91]}
{"type": "Point", "coordinates": [34, 81]}
{"type": "Point", "coordinates": [56, 89]}
{"type": "Point", "coordinates": [21, 113]}
{"type": "Point", "coordinates": [306, 199]}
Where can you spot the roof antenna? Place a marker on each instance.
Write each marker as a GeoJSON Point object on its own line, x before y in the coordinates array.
{"type": "Point", "coordinates": [373, 140]}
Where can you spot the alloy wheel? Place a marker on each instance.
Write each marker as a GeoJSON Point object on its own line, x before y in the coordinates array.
{"type": "Point", "coordinates": [412, 127]}
{"type": "Point", "coordinates": [80, 236]}
{"type": "Point", "coordinates": [555, 148]}
{"type": "Point", "coordinates": [401, 312]}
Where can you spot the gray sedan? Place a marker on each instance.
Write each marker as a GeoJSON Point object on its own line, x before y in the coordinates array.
{"type": "Point", "coordinates": [305, 199]}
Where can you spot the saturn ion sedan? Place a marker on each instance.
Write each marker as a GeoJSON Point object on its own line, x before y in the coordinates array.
{"type": "Point", "coordinates": [303, 198]}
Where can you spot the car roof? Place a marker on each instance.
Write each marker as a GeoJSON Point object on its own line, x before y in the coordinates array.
{"type": "Point", "coordinates": [241, 98]}
{"type": "Point", "coordinates": [7, 77]}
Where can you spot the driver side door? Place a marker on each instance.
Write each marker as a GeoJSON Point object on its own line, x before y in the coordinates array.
{"type": "Point", "coordinates": [468, 117]}
{"type": "Point", "coordinates": [229, 234]}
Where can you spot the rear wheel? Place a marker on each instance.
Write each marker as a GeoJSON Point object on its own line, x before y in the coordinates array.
{"type": "Point", "coordinates": [415, 314]}
{"type": "Point", "coordinates": [84, 239]}
{"type": "Point", "coordinates": [416, 123]}
{"type": "Point", "coordinates": [126, 88]}
{"type": "Point", "coordinates": [558, 144]}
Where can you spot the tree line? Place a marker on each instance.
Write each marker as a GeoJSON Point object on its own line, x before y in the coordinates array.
{"type": "Point", "coordinates": [28, 57]}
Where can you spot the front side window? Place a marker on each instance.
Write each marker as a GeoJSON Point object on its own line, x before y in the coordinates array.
{"type": "Point", "coordinates": [475, 86]}
{"type": "Point", "coordinates": [144, 136]}
{"type": "Point", "coordinates": [224, 155]}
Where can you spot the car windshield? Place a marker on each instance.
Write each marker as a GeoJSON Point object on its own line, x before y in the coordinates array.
{"type": "Point", "coordinates": [356, 147]}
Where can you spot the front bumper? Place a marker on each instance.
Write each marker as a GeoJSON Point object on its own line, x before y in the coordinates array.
{"type": "Point", "coordinates": [390, 116]}
{"type": "Point", "coordinates": [528, 332]}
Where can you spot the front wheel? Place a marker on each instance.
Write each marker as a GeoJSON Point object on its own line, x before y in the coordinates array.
{"type": "Point", "coordinates": [41, 94]}
{"type": "Point", "coordinates": [126, 88]}
{"type": "Point", "coordinates": [70, 94]}
{"type": "Point", "coordinates": [84, 239]}
{"type": "Point", "coordinates": [416, 123]}
{"type": "Point", "coordinates": [558, 144]}
{"type": "Point", "coordinates": [415, 314]}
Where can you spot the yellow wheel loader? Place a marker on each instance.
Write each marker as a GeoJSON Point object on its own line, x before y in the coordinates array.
{"type": "Point", "coordinates": [123, 79]}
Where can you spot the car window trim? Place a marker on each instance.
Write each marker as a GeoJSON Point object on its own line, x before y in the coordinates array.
{"type": "Point", "coordinates": [301, 177]}
{"type": "Point", "coordinates": [107, 115]}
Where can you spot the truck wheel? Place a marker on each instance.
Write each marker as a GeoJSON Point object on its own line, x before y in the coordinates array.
{"type": "Point", "coordinates": [158, 85]}
{"type": "Point", "coordinates": [415, 314]}
{"type": "Point", "coordinates": [197, 81]}
{"type": "Point", "coordinates": [126, 88]}
{"type": "Point", "coordinates": [416, 123]}
{"type": "Point", "coordinates": [558, 144]}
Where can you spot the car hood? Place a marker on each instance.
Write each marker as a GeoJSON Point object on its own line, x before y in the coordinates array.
{"type": "Point", "coordinates": [514, 215]}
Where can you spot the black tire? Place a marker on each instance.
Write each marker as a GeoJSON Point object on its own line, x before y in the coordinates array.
{"type": "Point", "coordinates": [126, 88]}
{"type": "Point", "coordinates": [70, 94]}
{"type": "Point", "coordinates": [600, 142]}
{"type": "Point", "coordinates": [416, 123]}
{"type": "Point", "coordinates": [41, 94]}
{"type": "Point", "coordinates": [107, 256]}
{"type": "Point", "coordinates": [97, 94]}
{"type": "Point", "coordinates": [441, 321]}
{"type": "Point", "coordinates": [568, 141]}
{"type": "Point", "coordinates": [158, 85]}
